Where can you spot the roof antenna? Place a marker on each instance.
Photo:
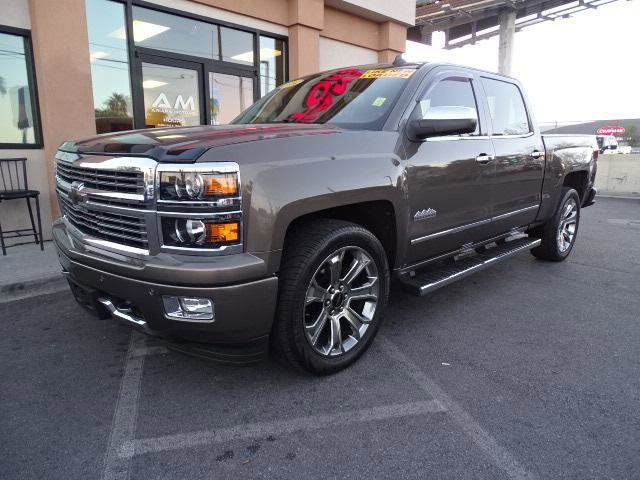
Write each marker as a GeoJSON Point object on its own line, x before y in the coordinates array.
{"type": "Point", "coordinates": [399, 61]}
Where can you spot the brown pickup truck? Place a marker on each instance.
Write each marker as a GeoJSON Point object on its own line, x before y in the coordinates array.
{"type": "Point", "coordinates": [285, 228]}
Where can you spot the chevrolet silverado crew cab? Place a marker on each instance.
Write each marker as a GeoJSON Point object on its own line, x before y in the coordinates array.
{"type": "Point", "coordinates": [285, 228]}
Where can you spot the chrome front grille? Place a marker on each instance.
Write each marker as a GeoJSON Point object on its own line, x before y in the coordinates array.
{"type": "Point", "coordinates": [111, 203]}
{"type": "Point", "coordinates": [98, 179]}
{"type": "Point", "coordinates": [114, 227]}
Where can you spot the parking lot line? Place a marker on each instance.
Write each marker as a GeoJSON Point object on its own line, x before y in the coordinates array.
{"type": "Point", "coordinates": [125, 416]}
{"type": "Point", "coordinates": [497, 454]}
{"type": "Point", "coordinates": [276, 427]}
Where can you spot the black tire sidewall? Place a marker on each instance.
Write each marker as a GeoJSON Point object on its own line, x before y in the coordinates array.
{"type": "Point", "coordinates": [349, 235]}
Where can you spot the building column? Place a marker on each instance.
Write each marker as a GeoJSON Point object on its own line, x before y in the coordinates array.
{"type": "Point", "coordinates": [392, 38]}
{"type": "Point", "coordinates": [507, 37]}
{"type": "Point", "coordinates": [63, 70]}
{"type": "Point", "coordinates": [306, 20]}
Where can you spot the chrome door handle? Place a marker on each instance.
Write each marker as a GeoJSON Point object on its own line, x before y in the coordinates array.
{"type": "Point", "coordinates": [483, 158]}
{"type": "Point", "coordinates": [537, 154]}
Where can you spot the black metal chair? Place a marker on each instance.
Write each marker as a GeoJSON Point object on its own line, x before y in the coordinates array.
{"type": "Point", "coordinates": [14, 186]}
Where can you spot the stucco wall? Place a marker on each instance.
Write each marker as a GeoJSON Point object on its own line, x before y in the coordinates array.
{"type": "Point", "coordinates": [14, 213]}
{"type": "Point", "coordinates": [618, 174]}
{"type": "Point", "coordinates": [15, 13]}
{"type": "Point", "coordinates": [336, 54]}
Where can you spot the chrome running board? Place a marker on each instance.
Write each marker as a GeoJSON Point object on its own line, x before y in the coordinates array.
{"type": "Point", "coordinates": [437, 276]}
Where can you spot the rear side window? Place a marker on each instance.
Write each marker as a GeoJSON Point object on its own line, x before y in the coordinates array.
{"type": "Point", "coordinates": [506, 107]}
{"type": "Point", "coordinates": [452, 92]}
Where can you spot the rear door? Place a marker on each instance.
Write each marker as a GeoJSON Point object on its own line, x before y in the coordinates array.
{"type": "Point", "coordinates": [448, 177]}
{"type": "Point", "coordinates": [519, 156]}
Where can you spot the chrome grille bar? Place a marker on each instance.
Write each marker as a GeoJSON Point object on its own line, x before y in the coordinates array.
{"type": "Point", "coordinates": [110, 180]}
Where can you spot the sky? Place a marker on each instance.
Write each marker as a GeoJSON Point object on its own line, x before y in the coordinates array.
{"type": "Point", "coordinates": [586, 67]}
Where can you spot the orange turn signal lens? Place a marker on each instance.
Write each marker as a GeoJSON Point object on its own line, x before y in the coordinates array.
{"type": "Point", "coordinates": [223, 232]}
{"type": "Point", "coordinates": [221, 185]}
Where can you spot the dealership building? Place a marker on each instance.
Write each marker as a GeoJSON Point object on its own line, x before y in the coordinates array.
{"type": "Point", "coordinates": [73, 68]}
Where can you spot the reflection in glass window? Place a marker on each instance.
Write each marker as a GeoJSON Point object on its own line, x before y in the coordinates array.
{"type": "Point", "coordinates": [171, 33]}
{"type": "Point", "coordinates": [229, 95]}
{"type": "Point", "coordinates": [506, 107]}
{"type": "Point", "coordinates": [237, 46]}
{"type": "Point", "coordinates": [17, 117]}
{"type": "Point", "coordinates": [171, 96]}
{"type": "Point", "coordinates": [272, 57]}
{"type": "Point", "coordinates": [109, 66]}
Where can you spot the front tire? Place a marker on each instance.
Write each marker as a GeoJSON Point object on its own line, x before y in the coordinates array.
{"type": "Point", "coordinates": [333, 289]}
{"type": "Point", "coordinates": [559, 234]}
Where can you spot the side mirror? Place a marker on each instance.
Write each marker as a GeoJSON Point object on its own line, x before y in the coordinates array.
{"type": "Point", "coordinates": [440, 121]}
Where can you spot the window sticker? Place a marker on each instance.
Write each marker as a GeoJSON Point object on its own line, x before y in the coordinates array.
{"type": "Point", "coordinates": [324, 93]}
{"type": "Point", "coordinates": [389, 73]}
{"type": "Point", "coordinates": [378, 101]}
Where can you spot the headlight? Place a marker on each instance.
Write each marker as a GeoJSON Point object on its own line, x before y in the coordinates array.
{"type": "Point", "coordinates": [205, 233]}
{"type": "Point", "coordinates": [196, 186]}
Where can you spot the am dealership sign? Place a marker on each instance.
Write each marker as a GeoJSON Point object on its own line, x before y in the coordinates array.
{"type": "Point", "coordinates": [611, 130]}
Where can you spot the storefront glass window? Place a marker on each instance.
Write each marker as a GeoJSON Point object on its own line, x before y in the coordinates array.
{"type": "Point", "coordinates": [229, 95]}
{"type": "Point", "coordinates": [17, 114]}
{"type": "Point", "coordinates": [237, 46]}
{"type": "Point", "coordinates": [170, 33]}
{"type": "Point", "coordinates": [109, 65]}
{"type": "Point", "coordinates": [272, 57]}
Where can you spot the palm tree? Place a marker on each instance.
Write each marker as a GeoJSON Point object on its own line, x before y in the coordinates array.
{"type": "Point", "coordinates": [117, 103]}
{"type": "Point", "coordinates": [3, 88]}
{"type": "Point", "coordinates": [115, 106]}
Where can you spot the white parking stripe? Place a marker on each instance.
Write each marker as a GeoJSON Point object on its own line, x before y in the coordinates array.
{"type": "Point", "coordinates": [125, 416]}
{"type": "Point", "coordinates": [498, 455]}
{"type": "Point", "coordinates": [276, 427]}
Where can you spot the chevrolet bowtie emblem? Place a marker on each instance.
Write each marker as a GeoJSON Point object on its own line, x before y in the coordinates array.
{"type": "Point", "coordinates": [424, 214]}
{"type": "Point", "coordinates": [76, 194]}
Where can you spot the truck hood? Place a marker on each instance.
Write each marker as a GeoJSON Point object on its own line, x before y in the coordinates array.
{"type": "Point", "coordinates": [186, 144]}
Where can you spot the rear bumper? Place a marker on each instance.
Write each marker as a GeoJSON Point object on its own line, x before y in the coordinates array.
{"type": "Point", "coordinates": [243, 311]}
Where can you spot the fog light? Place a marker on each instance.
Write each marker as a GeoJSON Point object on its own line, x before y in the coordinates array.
{"type": "Point", "coordinates": [194, 309]}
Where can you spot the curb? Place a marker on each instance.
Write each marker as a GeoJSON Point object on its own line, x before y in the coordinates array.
{"type": "Point", "coordinates": [625, 196]}
{"type": "Point", "coordinates": [50, 283]}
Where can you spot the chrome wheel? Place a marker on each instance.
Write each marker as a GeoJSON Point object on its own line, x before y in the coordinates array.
{"type": "Point", "coordinates": [341, 301]}
{"type": "Point", "coordinates": [568, 225]}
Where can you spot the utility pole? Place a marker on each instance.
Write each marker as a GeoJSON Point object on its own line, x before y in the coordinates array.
{"type": "Point", "coordinates": [507, 37]}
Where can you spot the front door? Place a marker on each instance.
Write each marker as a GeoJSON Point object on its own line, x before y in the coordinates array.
{"type": "Point", "coordinates": [172, 92]}
{"type": "Point", "coordinates": [448, 177]}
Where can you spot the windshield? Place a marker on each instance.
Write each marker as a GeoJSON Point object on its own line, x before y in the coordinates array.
{"type": "Point", "coordinates": [352, 98]}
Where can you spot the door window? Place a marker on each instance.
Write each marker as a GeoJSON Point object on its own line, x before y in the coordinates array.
{"type": "Point", "coordinates": [230, 95]}
{"type": "Point", "coordinates": [452, 92]}
{"type": "Point", "coordinates": [171, 96]}
{"type": "Point", "coordinates": [506, 108]}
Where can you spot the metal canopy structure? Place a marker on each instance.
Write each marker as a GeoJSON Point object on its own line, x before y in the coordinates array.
{"type": "Point", "coordinates": [467, 21]}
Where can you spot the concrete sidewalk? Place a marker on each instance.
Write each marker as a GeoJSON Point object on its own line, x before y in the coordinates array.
{"type": "Point", "coordinates": [26, 271]}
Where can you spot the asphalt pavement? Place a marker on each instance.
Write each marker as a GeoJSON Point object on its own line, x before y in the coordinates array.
{"type": "Point", "coordinates": [526, 370]}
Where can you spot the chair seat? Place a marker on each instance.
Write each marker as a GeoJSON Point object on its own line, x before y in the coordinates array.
{"type": "Point", "coordinates": [12, 194]}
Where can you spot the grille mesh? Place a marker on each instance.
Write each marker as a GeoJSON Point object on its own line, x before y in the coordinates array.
{"type": "Point", "coordinates": [108, 180]}
{"type": "Point", "coordinates": [118, 228]}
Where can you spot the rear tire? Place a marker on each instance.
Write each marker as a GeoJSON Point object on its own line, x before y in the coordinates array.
{"type": "Point", "coordinates": [559, 234]}
{"type": "Point", "coordinates": [325, 319]}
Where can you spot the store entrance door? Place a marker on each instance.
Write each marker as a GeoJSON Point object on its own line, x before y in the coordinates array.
{"type": "Point", "coordinates": [172, 92]}
{"type": "Point", "coordinates": [176, 92]}
{"type": "Point", "coordinates": [229, 94]}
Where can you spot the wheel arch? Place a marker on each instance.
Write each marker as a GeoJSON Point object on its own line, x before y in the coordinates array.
{"type": "Point", "coordinates": [379, 216]}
